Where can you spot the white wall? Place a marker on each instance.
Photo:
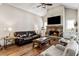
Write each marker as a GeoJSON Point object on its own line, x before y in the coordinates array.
{"type": "Point", "coordinates": [17, 19]}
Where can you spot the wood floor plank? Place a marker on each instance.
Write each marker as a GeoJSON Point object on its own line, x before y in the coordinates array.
{"type": "Point", "coordinates": [25, 50]}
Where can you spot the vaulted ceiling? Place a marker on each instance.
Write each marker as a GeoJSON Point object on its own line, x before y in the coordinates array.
{"type": "Point", "coordinates": [32, 7]}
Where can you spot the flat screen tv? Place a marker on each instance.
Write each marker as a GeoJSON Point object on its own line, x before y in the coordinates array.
{"type": "Point", "coordinates": [54, 20]}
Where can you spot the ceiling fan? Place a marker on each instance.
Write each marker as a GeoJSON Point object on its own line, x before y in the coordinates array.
{"type": "Point", "coordinates": [43, 5]}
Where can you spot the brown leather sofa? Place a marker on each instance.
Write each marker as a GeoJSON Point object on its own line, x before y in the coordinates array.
{"type": "Point", "coordinates": [25, 37]}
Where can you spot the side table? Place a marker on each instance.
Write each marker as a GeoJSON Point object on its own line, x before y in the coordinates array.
{"type": "Point", "coordinates": [9, 39]}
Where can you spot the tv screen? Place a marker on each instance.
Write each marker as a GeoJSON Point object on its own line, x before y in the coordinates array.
{"type": "Point", "coordinates": [54, 20]}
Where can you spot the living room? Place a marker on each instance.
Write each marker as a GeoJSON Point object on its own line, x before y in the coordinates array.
{"type": "Point", "coordinates": [27, 29]}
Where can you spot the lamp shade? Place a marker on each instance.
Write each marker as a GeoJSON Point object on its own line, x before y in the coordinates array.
{"type": "Point", "coordinates": [9, 29]}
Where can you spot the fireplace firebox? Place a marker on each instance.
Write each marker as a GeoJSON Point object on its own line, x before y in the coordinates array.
{"type": "Point", "coordinates": [54, 33]}
{"type": "Point", "coordinates": [54, 30]}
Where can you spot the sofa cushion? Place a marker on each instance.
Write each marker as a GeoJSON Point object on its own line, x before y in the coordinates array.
{"type": "Point", "coordinates": [60, 47]}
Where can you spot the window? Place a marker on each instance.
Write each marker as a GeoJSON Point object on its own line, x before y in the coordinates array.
{"type": "Point", "coordinates": [70, 24]}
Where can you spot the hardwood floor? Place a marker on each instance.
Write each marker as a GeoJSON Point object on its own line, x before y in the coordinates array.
{"type": "Point", "coordinates": [25, 50]}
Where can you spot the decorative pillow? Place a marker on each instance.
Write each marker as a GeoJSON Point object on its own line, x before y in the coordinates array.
{"type": "Point", "coordinates": [29, 34]}
{"type": "Point", "coordinates": [61, 47]}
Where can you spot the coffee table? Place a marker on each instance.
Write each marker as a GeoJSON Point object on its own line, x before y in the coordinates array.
{"type": "Point", "coordinates": [40, 42]}
{"type": "Point", "coordinates": [54, 40]}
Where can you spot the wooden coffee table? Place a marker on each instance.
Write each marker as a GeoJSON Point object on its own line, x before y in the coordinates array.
{"type": "Point", "coordinates": [40, 42]}
{"type": "Point", "coordinates": [54, 40]}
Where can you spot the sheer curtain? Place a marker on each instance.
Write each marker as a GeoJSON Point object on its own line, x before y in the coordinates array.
{"type": "Point", "coordinates": [70, 25]}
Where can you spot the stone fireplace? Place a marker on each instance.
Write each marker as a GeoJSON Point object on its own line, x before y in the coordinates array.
{"type": "Point", "coordinates": [54, 30]}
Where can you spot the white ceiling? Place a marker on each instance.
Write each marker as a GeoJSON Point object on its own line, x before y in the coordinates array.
{"type": "Point", "coordinates": [31, 7]}
{"type": "Point", "coordinates": [71, 5]}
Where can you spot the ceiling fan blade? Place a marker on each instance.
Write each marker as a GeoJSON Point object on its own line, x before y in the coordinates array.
{"type": "Point", "coordinates": [38, 6]}
{"type": "Point", "coordinates": [43, 5]}
{"type": "Point", "coordinates": [48, 4]}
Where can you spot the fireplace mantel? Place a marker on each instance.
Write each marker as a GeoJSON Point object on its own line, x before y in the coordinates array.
{"type": "Point", "coordinates": [55, 25]}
